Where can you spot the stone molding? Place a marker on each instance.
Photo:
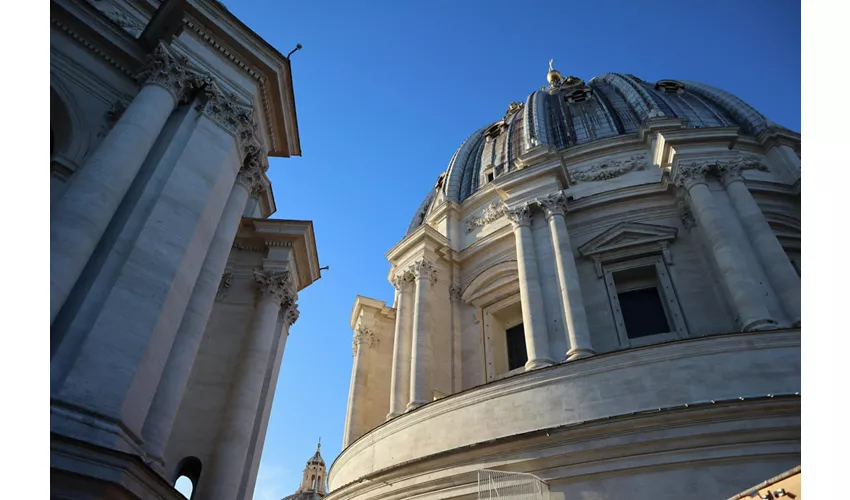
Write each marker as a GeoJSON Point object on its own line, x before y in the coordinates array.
{"type": "Point", "coordinates": [277, 286]}
{"type": "Point", "coordinates": [363, 335]}
{"type": "Point", "coordinates": [607, 169]}
{"type": "Point", "coordinates": [423, 269]}
{"type": "Point", "coordinates": [629, 240]}
{"type": "Point", "coordinates": [492, 213]}
{"type": "Point", "coordinates": [521, 215]}
{"type": "Point", "coordinates": [554, 204]}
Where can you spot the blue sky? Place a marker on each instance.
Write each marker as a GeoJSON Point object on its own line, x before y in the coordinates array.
{"type": "Point", "coordinates": [387, 90]}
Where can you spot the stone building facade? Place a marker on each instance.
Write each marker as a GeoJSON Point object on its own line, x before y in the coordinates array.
{"type": "Point", "coordinates": [602, 290]}
{"type": "Point", "coordinates": [172, 292]}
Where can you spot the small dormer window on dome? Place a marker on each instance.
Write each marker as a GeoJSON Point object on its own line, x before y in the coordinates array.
{"type": "Point", "coordinates": [581, 94]}
{"type": "Point", "coordinates": [670, 86]}
{"type": "Point", "coordinates": [494, 130]}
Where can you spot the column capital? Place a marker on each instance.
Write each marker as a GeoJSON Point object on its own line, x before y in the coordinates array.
{"type": "Point", "coordinates": [402, 279]}
{"type": "Point", "coordinates": [554, 204]}
{"type": "Point", "coordinates": [165, 69]}
{"type": "Point", "coordinates": [520, 215]}
{"type": "Point", "coordinates": [251, 174]}
{"type": "Point", "coordinates": [730, 172]}
{"type": "Point", "coordinates": [225, 109]}
{"type": "Point", "coordinates": [689, 175]}
{"type": "Point", "coordinates": [423, 269]}
{"type": "Point", "coordinates": [363, 335]}
{"type": "Point", "coordinates": [276, 286]}
{"type": "Point", "coordinates": [290, 314]}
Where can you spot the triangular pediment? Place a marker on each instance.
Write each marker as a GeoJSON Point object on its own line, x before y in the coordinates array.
{"type": "Point", "coordinates": [627, 235]}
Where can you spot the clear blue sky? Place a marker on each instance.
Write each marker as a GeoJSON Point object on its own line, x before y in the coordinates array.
{"type": "Point", "coordinates": [387, 90]}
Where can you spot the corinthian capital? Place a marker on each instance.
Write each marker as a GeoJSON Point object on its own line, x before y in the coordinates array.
{"type": "Point", "coordinates": [730, 172]}
{"type": "Point", "coordinates": [362, 336]}
{"type": "Point", "coordinates": [554, 204]}
{"type": "Point", "coordinates": [289, 314]}
{"type": "Point", "coordinates": [688, 176]}
{"type": "Point", "coordinates": [519, 216]}
{"type": "Point", "coordinates": [401, 279]}
{"type": "Point", "coordinates": [168, 70]}
{"type": "Point", "coordinates": [276, 286]}
{"type": "Point", "coordinates": [423, 270]}
{"type": "Point", "coordinates": [251, 174]}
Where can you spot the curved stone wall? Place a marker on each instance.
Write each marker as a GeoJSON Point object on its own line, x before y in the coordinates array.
{"type": "Point", "coordinates": [674, 380]}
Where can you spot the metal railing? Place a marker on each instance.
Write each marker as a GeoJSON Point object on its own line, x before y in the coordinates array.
{"type": "Point", "coordinates": [498, 485]}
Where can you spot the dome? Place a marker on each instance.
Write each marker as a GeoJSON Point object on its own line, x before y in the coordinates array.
{"type": "Point", "coordinates": [571, 113]}
{"type": "Point", "coordinates": [316, 459]}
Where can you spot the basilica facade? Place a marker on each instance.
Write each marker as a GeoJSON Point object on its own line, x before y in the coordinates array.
{"type": "Point", "coordinates": [172, 292]}
{"type": "Point", "coordinates": [602, 293]}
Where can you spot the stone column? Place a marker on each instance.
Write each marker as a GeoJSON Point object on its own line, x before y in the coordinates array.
{"type": "Point", "coordinates": [746, 299]}
{"type": "Point", "coordinates": [231, 452]}
{"type": "Point", "coordinates": [420, 361]}
{"type": "Point", "coordinates": [80, 217]}
{"type": "Point", "coordinates": [530, 293]}
{"type": "Point", "coordinates": [400, 383]}
{"type": "Point", "coordinates": [178, 368]}
{"type": "Point", "coordinates": [781, 273]}
{"type": "Point", "coordinates": [575, 316]}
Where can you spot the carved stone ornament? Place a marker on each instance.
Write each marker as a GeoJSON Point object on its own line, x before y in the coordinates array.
{"type": "Point", "coordinates": [226, 279]}
{"type": "Point", "coordinates": [363, 335]}
{"type": "Point", "coordinates": [688, 176]}
{"type": "Point", "coordinates": [455, 292]}
{"type": "Point", "coordinates": [126, 22]}
{"type": "Point", "coordinates": [401, 279]}
{"type": "Point", "coordinates": [423, 270]}
{"type": "Point", "coordinates": [111, 117]}
{"type": "Point", "coordinates": [521, 215]}
{"type": "Point", "coordinates": [554, 204]}
{"type": "Point", "coordinates": [277, 286]}
{"type": "Point", "coordinates": [290, 314]}
{"type": "Point", "coordinates": [225, 109]}
{"type": "Point", "coordinates": [492, 213]}
{"type": "Point", "coordinates": [608, 169]}
{"type": "Point", "coordinates": [168, 70]}
{"type": "Point", "coordinates": [251, 174]}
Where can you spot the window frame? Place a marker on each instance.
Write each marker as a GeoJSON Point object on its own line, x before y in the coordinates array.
{"type": "Point", "coordinates": [666, 291]}
{"type": "Point", "coordinates": [494, 339]}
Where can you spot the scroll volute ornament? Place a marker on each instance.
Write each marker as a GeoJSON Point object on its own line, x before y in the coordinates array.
{"type": "Point", "coordinates": [251, 174]}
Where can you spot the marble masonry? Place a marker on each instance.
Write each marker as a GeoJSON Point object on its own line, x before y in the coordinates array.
{"type": "Point", "coordinates": [602, 290]}
{"type": "Point", "coordinates": [172, 292]}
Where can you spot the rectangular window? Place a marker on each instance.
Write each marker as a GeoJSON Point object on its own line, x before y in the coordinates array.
{"type": "Point", "coordinates": [643, 302]}
{"type": "Point", "coordinates": [517, 355]}
{"type": "Point", "coordinates": [643, 312]}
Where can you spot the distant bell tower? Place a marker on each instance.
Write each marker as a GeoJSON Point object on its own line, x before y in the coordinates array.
{"type": "Point", "coordinates": [313, 480]}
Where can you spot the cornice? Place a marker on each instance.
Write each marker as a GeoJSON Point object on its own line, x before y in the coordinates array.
{"type": "Point", "coordinates": [422, 235]}
{"type": "Point", "coordinates": [361, 303]}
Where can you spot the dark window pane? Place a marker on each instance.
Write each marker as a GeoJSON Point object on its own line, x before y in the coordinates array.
{"type": "Point", "coordinates": [643, 312]}
{"type": "Point", "coordinates": [517, 356]}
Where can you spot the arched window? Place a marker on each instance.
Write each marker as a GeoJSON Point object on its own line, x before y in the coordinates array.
{"type": "Point", "coordinates": [313, 480]}
{"type": "Point", "coordinates": [187, 476]}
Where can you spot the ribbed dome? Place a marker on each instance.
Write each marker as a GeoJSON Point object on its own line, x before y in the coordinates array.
{"type": "Point", "coordinates": [572, 112]}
